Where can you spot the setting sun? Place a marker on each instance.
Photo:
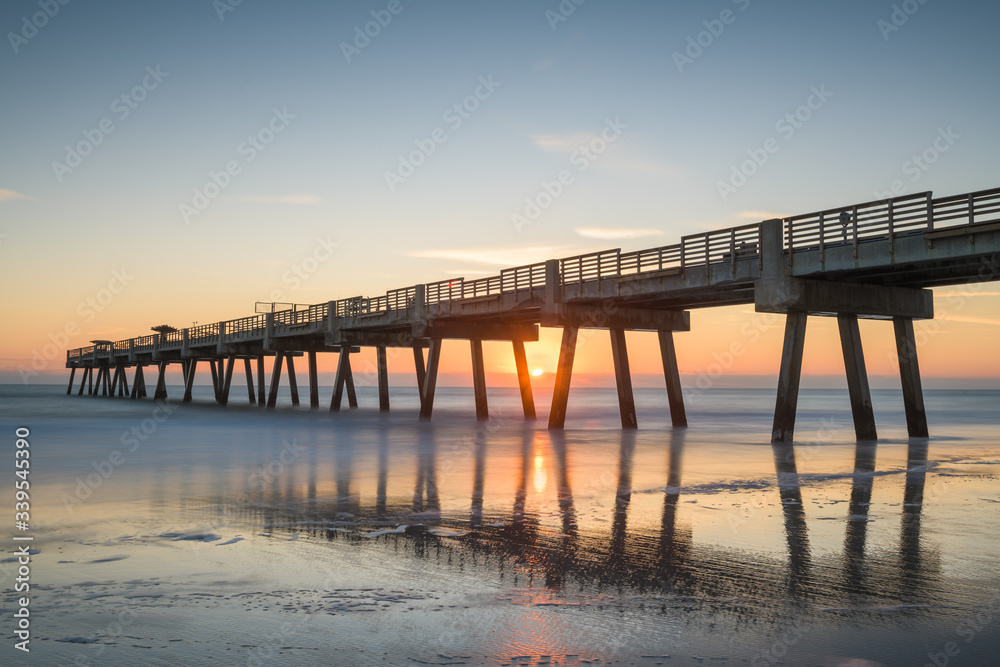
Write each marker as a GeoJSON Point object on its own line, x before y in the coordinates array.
{"type": "Point", "coordinates": [537, 372]}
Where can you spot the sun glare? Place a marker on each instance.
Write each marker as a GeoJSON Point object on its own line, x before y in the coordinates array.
{"type": "Point", "coordinates": [537, 372]}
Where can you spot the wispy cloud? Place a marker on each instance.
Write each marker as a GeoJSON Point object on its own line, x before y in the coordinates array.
{"type": "Point", "coordinates": [611, 233]}
{"type": "Point", "coordinates": [617, 157]}
{"type": "Point", "coordinates": [992, 321]}
{"type": "Point", "coordinates": [964, 293]}
{"type": "Point", "coordinates": [563, 143]}
{"type": "Point", "coordinates": [760, 215]}
{"type": "Point", "coordinates": [495, 256]}
{"type": "Point", "coordinates": [8, 195]}
{"type": "Point", "coordinates": [470, 272]}
{"type": "Point", "coordinates": [296, 199]}
{"type": "Point", "coordinates": [543, 64]}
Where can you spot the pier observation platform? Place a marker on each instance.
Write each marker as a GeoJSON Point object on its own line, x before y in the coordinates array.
{"type": "Point", "coordinates": [870, 260]}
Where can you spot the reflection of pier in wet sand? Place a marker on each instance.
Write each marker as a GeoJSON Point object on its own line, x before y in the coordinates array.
{"type": "Point", "coordinates": [663, 557]}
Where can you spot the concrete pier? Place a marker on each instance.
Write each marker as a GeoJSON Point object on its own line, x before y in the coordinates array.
{"type": "Point", "coordinates": [881, 267]}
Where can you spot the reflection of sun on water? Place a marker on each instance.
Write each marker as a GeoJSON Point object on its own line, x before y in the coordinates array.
{"type": "Point", "coordinates": [540, 476]}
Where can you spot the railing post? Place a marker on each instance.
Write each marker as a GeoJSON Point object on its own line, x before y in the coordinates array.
{"type": "Point", "coordinates": [419, 303]}
{"type": "Point", "coordinates": [268, 330]}
{"type": "Point", "coordinates": [553, 283]}
{"type": "Point", "coordinates": [791, 242]}
{"type": "Point", "coordinates": [930, 217]}
{"type": "Point", "coordinates": [771, 249]}
{"type": "Point", "coordinates": [708, 267]}
{"type": "Point", "coordinates": [822, 240]}
{"type": "Point", "coordinates": [732, 250]}
{"type": "Point", "coordinates": [220, 346]}
{"type": "Point", "coordinates": [184, 342]}
{"type": "Point", "coordinates": [892, 231]}
{"type": "Point", "coordinates": [972, 211]}
{"type": "Point", "coordinates": [854, 227]}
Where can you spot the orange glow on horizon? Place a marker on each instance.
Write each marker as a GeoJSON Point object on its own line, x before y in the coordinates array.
{"type": "Point", "coordinates": [963, 341]}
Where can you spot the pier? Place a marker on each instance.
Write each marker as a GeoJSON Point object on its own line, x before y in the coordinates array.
{"type": "Point", "coordinates": [873, 260]}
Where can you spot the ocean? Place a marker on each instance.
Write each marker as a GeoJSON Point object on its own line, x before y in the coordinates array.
{"type": "Point", "coordinates": [188, 534]}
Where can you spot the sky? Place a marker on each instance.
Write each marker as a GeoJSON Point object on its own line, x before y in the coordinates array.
{"type": "Point", "coordinates": [172, 163]}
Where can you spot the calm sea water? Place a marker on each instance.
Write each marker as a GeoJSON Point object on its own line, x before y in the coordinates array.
{"type": "Point", "coordinates": [193, 534]}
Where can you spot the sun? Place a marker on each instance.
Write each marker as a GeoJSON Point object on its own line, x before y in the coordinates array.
{"type": "Point", "coordinates": [537, 372]}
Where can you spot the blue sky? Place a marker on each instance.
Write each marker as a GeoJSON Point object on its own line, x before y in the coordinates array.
{"type": "Point", "coordinates": [555, 86]}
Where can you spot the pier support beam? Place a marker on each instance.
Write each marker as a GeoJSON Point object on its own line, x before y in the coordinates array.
{"type": "Point", "coordinates": [383, 378]}
{"type": "Point", "coordinates": [161, 383]}
{"type": "Point", "coordinates": [909, 375]}
{"type": "Point", "coordinates": [479, 380]}
{"type": "Point", "coordinates": [671, 373]}
{"type": "Point", "coordinates": [139, 383]}
{"type": "Point", "coordinates": [564, 373]}
{"type": "Point", "coordinates": [857, 377]}
{"type": "Point", "coordinates": [261, 396]}
{"type": "Point", "coordinates": [430, 379]}
{"type": "Point", "coordinates": [83, 380]}
{"type": "Point", "coordinates": [72, 374]}
{"type": "Point", "coordinates": [788, 378]}
{"type": "Point", "coordinates": [249, 373]}
{"type": "Point", "coordinates": [344, 379]}
{"type": "Point", "coordinates": [623, 379]}
{"type": "Point", "coordinates": [102, 381]}
{"type": "Point", "coordinates": [216, 380]}
{"type": "Point", "coordinates": [224, 394]}
{"type": "Point", "coordinates": [418, 364]}
{"type": "Point", "coordinates": [272, 397]}
{"type": "Point", "coordinates": [123, 383]}
{"type": "Point", "coordinates": [313, 382]}
{"type": "Point", "coordinates": [524, 379]}
{"type": "Point", "coordinates": [292, 383]}
{"type": "Point", "coordinates": [192, 367]}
